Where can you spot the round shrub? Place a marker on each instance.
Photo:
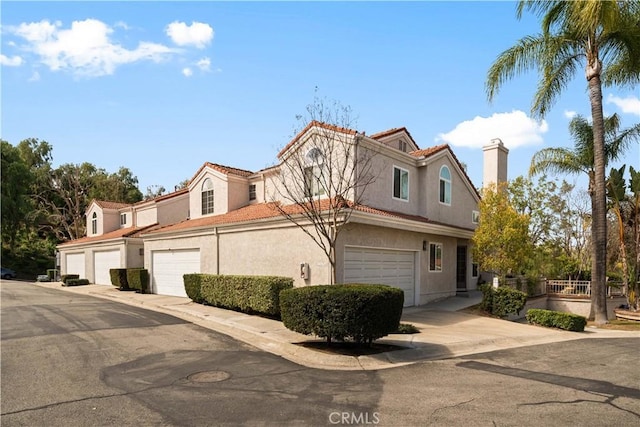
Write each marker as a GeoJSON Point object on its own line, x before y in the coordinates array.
{"type": "Point", "coordinates": [360, 312]}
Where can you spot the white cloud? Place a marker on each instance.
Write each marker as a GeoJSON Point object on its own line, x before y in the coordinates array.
{"type": "Point", "coordinates": [34, 77]}
{"type": "Point", "coordinates": [515, 129]}
{"type": "Point", "coordinates": [197, 34]}
{"type": "Point", "coordinates": [14, 61]}
{"type": "Point", "coordinates": [570, 114]}
{"type": "Point", "coordinates": [85, 48]}
{"type": "Point", "coordinates": [204, 64]}
{"type": "Point", "coordinates": [187, 72]}
{"type": "Point", "coordinates": [630, 104]}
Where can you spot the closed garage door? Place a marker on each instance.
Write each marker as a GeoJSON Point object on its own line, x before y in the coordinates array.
{"type": "Point", "coordinates": [102, 263]}
{"type": "Point", "coordinates": [75, 264]}
{"type": "Point", "coordinates": [168, 267]}
{"type": "Point", "coordinates": [386, 267]}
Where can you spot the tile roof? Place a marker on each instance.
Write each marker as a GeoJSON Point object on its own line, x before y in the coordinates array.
{"type": "Point", "coordinates": [110, 205]}
{"type": "Point", "coordinates": [120, 233]}
{"type": "Point", "coordinates": [438, 148]}
{"type": "Point", "coordinates": [165, 196]}
{"type": "Point", "coordinates": [270, 210]}
{"type": "Point", "coordinates": [227, 170]}
{"type": "Point", "coordinates": [315, 123]}
{"type": "Point", "coordinates": [378, 136]}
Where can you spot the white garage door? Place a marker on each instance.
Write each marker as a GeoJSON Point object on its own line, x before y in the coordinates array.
{"type": "Point", "coordinates": [386, 267]}
{"type": "Point", "coordinates": [75, 265]}
{"type": "Point", "coordinates": [168, 267]}
{"type": "Point", "coordinates": [102, 263]}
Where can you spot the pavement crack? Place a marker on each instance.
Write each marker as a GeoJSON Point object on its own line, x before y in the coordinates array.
{"type": "Point", "coordinates": [450, 407]}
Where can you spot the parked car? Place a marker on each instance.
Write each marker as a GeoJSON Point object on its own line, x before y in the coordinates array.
{"type": "Point", "coordinates": [8, 273]}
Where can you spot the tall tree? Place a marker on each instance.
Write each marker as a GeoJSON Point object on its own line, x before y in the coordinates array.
{"type": "Point", "coordinates": [16, 201]}
{"type": "Point", "coordinates": [501, 241]}
{"type": "Point", "coordinates": [603, 39]}
{"type": "Point", "coordinates": [616, 194]}
{"type": "Point", "coordinates": [325, 177]}
{"type": "Point", "coordinates": [634, 186]}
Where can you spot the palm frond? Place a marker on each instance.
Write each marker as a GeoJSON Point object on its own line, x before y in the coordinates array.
{"type": "Point", "coordinates": [556, 161]}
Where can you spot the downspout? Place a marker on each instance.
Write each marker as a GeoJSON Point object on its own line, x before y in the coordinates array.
{"type": "Point", "coordinates": [215, 230]}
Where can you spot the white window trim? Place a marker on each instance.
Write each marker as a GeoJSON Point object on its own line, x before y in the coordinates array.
{"type": "Point", "coordinates": [475, 217]}
{"type": "Point", "coordinates": [441, 258]}
{"type": "Point", "coordinates": [316, 172]}
{"type": "Point", "coordinates": [393, 177]}
{"type": "Point", "coordinates": [94, 223]}
{"type": "Point", "coordinates": [446, 181]}
{"type": "Point", "coordinates": [202, 191]}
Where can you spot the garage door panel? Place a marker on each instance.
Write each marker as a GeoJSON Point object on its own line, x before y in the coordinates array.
{"type": "Point", "coordinates": [168, 267]}
{"type": "Point", "coordinates": [75, 264]}
{"type": "Point", "coordinates": [394, 268]}
{"type": "Point", "coordinates": [102, 262]}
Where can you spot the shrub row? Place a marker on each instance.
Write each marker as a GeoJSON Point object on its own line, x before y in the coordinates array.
{"type": "Point", "coordinates": [130, 279]}
{"type": "Point", "coordinates": [76, 282]}
{"type": "Point", "coordinates": [66, 277]}
{"type": "Point", "coordinates": [359, 312]}
{"type": "Point", "coordinates": [556, 319]}
{"type": "Point", "coordinates": [502, 301]}
{"type": "Point", "coordinates": [249, 294]}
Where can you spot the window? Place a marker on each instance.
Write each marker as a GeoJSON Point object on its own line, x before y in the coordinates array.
{"type": "Point", "coordinates": [400, 183]}
{"type": "Point", "coordinates": [435, 257]}
{"type": "Point", "coordinates": [123, 219]}
{"type": "Point", "coordinates": [207, 197]}
{"type": "Point", "coordinates": [312, 184]}
{"type": "Point", "coordinates": [314, 173]}
{"type": "Point", "coordinates": [445, 185]}
{"type": "Point", "coordinates": [252, 192]}
{"type": "Point", "coordinates": [475, 217]}
{"type": "Point", "coordinates": [94, 223]}
{"type": "Point", "coordinates": [402, 146]}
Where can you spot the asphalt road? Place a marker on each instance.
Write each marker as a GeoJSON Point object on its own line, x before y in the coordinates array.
{"type": "Point", "coordinates": [74, 360]}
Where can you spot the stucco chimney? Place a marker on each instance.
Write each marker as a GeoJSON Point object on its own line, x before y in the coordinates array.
{"type": "Point", "coordinates": [495, 163]}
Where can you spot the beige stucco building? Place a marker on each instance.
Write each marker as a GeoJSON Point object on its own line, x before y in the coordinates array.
{"type": "Point", "coordinates": [404, 217]}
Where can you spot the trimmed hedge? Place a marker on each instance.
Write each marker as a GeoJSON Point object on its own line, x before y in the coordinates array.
{"type": "Point", "coordinates": [192, 285]}
{"type": "Point", "coordinates": [556, 319]}
{"type": "Point", "coordinates": [138, 279]}
{"type": "Point", "coordinates": [119, 278]}
{"type": "Point", "coordinates": [360, 312]}
{"type": "Point", "coordinates": [248, 294]}
{"type": "Point", "coordinates": [76, 282]}
{"type": "Point", "coordinates": [65, 277]}
{"type": "Point", "coordinates": [502, 301]}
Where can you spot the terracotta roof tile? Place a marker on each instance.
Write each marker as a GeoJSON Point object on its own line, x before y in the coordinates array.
{"type": "Point", "coordinates": [378, 136]}
{"type": "Point", "coordinates": [111, 205]}
{"type": "Point", "coordinates": [120, 233]}
{"type": "Point", "coordinates": [227, 170]}
{"type": "Point", "coordinates": [165, 196]}
{"type": "Point", "coordinates": [315, 123]}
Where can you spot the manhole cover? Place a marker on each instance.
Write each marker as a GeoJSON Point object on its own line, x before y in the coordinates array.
{"type": "Point", "coordinates": [209, 376]}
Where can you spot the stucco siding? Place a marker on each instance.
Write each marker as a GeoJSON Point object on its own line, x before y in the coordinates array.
{"type": "Point", "coordinates": [379, 193]}
{"type": "Point", "coordinates": [146, 216]}
{"type": "Point", "coordinates": [173, 210]}
{"type": "Point", "coordinates": [238, 193]}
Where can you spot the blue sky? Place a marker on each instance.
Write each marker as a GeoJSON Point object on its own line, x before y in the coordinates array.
{"type": "Point", "coordinates": [162, 87]}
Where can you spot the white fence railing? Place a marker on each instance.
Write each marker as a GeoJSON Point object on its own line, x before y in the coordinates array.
{"type": "Point", "coordinates": [580, 288]}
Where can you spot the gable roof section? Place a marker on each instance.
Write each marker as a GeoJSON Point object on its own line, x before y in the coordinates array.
{"type": "Point", "coordinates": [120, 233]}
{"type": "Point", "coordinates": [381, 135]}
{"type": "Point", "coordinates": [429, 152]}
{"type": "Point", "coordinates": [315, 123]}
{"type": "Point", "coordinates": [110, 205]}
{"type": "Point", "coordinates": [165, 196]}
{"type": "Point", "coordinates": [226, 170]}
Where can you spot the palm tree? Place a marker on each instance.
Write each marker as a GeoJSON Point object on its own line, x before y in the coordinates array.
{"type": "Point", "coordinates": [603, 39]}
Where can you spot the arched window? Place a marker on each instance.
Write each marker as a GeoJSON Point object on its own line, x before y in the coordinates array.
{"type": "Point", "coordinates": [445, 185]}
{"type": "Point", "coordinates": [314, 177]}
{"type": "Point", "coordinates": [94, 223]}
{"type": "Point", "coordinates": [207, 197]}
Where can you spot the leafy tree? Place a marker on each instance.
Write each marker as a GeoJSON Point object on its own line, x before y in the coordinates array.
{"type": "Point", "coordinates": [634, 186]}
{"type": "Point", "coordinates": [121, 186]}
{"type": "Point", "coordinates": [154, 191]}
{"type": "Point", "coordinates": [321, 183]}
{"type": "Point", "coordinates": [616, 194]}
{"type": "Point", "coordinates": [601, 37]}
{"type": "Point", "coordinates": [501, 241]}
{"type": "Point", "coordinates": [16, 203]}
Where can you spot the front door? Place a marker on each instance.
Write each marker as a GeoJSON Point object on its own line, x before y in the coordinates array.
{"type": "Point", "coordinates": [461, 269]}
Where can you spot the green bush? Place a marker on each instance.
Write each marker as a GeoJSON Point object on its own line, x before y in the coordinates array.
{"type": "Point", "coordinates": [53, 274]}
{"type": "Point", "coordinates": [249, 294]}
{"type": "Point", "coordinates": [138, 279]}
{"type": "Point", "coordinates": [556, 319]}
{"type": "Point", "coordinates": [76, 282]}
{"type": "Point", "coordinates": [66, 277]}
{"type": "Point", "coordinates": [502, 301]}
{"type": "Point", "coordinates": [407, 328]}
{"type": "Point", "coordinates": [359, 312]}
{"type": "Point", "coordinates": [119, 278]}
{"type": "Point", "coordinates": [192, 285]}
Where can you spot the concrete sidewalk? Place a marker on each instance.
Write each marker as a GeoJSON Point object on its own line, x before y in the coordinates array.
{"type": "Point", "coordinates": [444, 331]}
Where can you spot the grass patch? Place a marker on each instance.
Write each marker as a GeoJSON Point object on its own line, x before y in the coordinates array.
{"type": "Point", "coordinates": [407, 328]}
{"type": "Point", "coordinates": [618, 325]}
